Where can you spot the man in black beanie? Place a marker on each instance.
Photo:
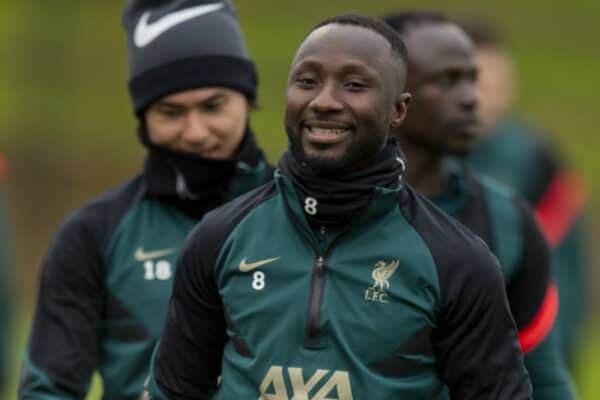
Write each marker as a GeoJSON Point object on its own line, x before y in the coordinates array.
{"type": "Point", "coordinates": [107, 278]}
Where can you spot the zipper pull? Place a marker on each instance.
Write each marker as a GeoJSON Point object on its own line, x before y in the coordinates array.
{"type": "Point", "coordinates": [320, 264]}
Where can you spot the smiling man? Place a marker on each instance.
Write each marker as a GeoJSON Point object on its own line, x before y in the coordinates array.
{"type": "Point", "coordinates": [303, 288]}
{"type": "Point", "coordinates": [107, 279]}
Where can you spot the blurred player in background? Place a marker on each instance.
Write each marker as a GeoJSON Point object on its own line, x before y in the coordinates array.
{"type": "Point", "coordinates": [443, 122]}
{"type": "Point", "coordinates": [107, 278]}
{"type": "Point", "coordinates": [519, 155]}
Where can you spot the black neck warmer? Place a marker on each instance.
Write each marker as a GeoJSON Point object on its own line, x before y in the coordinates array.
{"type": "Point", "coordinates": [342, 197]}
{"type": "Point", "coordinates": [192, 184]}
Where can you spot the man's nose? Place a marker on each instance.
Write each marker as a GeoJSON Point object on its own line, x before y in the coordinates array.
{"type": "Point", "coordinates": [196, 129]}
{"type": "Point", "coordinates": [468, 96]}
{"type": "Point", "coordinates": [326, 99]}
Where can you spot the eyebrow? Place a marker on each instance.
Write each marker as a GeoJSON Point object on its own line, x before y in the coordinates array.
{"type": "Point", "coordinates": [453, 68]}
{"type": "Point", "coordinates": [353, 67]}
{"type": "Point", "coordinates": [348, 67]}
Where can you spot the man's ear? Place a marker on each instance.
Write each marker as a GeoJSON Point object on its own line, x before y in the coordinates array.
{"type": "Point", "coordinates": [400, 109]}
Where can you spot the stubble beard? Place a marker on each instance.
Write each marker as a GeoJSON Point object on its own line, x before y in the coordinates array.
{"type": "Point", "coordinates": [348, 161]}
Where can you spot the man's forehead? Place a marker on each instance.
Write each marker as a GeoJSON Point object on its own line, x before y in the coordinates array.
{"type": "Point", "coordinates": [195, 94]}
{"type": "Point", "coordinates": [356, 41]}
{"type": "Point", "coordinates": [435, 42]}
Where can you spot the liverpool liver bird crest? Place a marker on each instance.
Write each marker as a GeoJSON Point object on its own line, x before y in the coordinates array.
{"type": "Point", "coordinates": [382, 273]}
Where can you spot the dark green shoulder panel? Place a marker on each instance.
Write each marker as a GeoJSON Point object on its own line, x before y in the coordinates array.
{"type": "Point", "coordinates": [506, 225]}
{"type": "Point", "coordinates": [248, 178]}
{"type": "Point", "coordinates": [140, 259]}
{"type": "Point", "coordinates": [139, 267]}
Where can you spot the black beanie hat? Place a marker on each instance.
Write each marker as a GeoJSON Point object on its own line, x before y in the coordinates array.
{"type": "Point", "coordinates": [176, 45]}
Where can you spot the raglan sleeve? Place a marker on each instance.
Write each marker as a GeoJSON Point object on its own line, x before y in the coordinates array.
{"type": "Point", "coordinates": [475, 341]}
{"type": "Point", "coordinates": [63, 346]}
{"type": "Point", "coordinates": [187, 360]}
{"type": "Point", "coordinates": [534, 302]}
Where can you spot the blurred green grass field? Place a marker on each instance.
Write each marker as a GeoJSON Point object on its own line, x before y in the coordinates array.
{"type": "Point", "coordinates": [67, 129]}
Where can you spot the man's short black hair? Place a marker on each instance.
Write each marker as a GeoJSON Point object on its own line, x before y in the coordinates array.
{"type": "Point", "coordinates": [373, 24]}
{"type": "Point", "coordinates": [402, 22]}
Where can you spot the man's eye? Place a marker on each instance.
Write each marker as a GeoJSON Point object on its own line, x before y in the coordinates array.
{"type": "Point", "coordinates": [215, 106]}
{"type": "Point", "coordinates": [355, 85]}
{"type": "Point", "coordinates": [442, 80]}
{"type": "Point", "coordinates": [170, 113]}
{"type": "Point", "coordinates": [449, 78]}
{"type": "Point", "coordinates": [306, 82]}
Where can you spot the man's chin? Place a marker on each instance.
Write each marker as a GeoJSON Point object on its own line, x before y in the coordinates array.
{"type": "Point", "coordinates": [460, 150]}
{"type": "Point", "coordinates": [462, 146]}
{"type": "Point", "coordinates": [326, 165]}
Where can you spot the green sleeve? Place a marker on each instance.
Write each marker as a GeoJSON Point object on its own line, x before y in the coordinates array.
{"type": "Point", "coordinates": [549, 376]}
{"type": "Point", "coordinates": [570, 267]}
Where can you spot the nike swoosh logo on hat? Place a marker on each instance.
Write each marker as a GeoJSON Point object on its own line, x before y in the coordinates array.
{"type": "Point", "coordinates": [141, 255]}
{"type": "Point", "coordinates": [145, 33]}
{"type": "Point", "coordinates": [246, 267]}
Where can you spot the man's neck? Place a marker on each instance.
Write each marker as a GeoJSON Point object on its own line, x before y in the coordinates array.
{"type": "Point", "coordinates": [426, 171]}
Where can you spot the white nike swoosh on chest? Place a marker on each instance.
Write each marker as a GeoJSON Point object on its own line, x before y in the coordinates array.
{"type": "Point", "coordinates": [145, 33]}
{"type": "Point", "coordinates": [246, 267]}
{"type": "Point", "coordinates": [141, 255]}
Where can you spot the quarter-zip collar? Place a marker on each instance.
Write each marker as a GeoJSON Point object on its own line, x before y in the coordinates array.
{"type": "Point", "coordinates": [336, 200]}
{"type": "Point", "coordinates": [382, 201]}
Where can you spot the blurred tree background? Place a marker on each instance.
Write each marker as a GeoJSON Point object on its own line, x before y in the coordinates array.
{"type": "Point", "coordinates": [67, 129]}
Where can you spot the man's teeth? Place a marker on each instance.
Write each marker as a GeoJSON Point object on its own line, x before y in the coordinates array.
{"type": "Point", "coordinates": [327, 131]}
